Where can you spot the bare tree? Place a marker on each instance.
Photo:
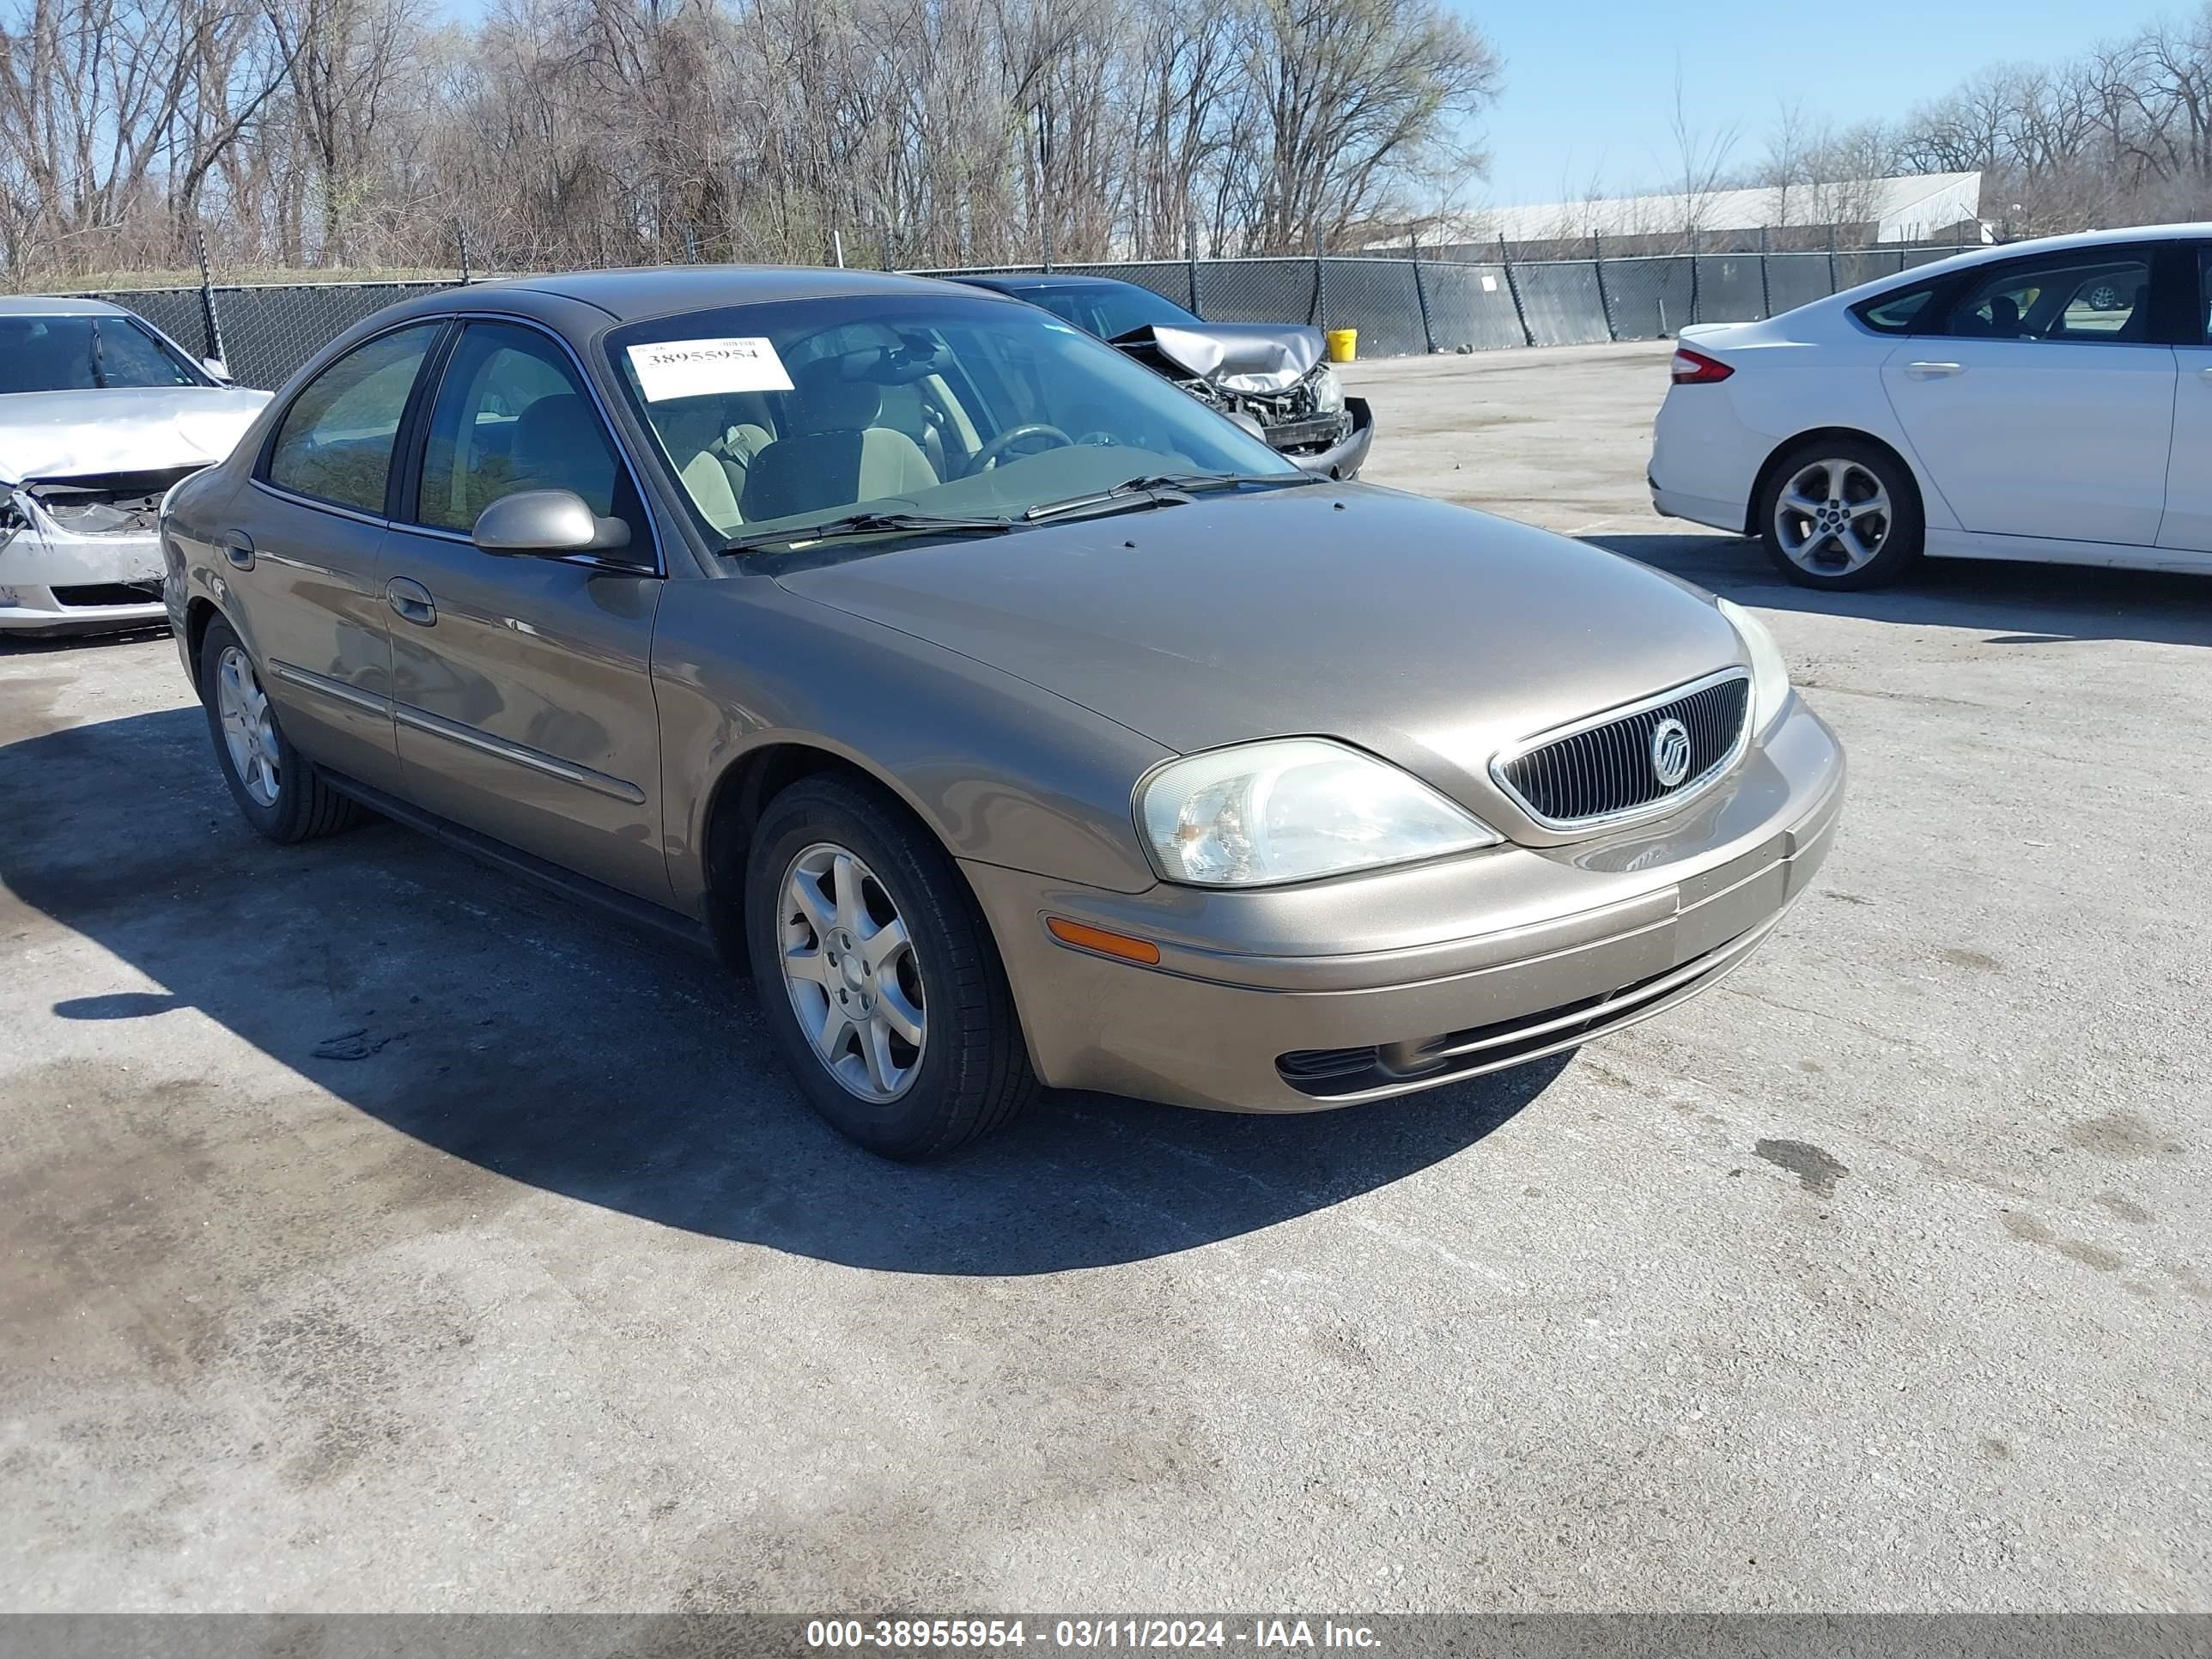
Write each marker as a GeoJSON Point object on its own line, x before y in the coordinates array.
{"type": "Point", "coordinates": [1701, 159]}
{"type": "Point", "coordinates": [1348, 101]}
{"type": "Point", "coordinates": [2121, 134]}
{"type": "Point", "coordinates": [344, 132]}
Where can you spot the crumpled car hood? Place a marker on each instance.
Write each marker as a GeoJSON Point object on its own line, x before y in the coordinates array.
{"type": "Point", "coordinates": [1247, 357]}
{"type": "Point", "coordinates": [66, 434]}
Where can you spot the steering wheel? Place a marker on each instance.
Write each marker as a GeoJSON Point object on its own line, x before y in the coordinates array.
{"type": "Point", "coordinates": [994, 452]}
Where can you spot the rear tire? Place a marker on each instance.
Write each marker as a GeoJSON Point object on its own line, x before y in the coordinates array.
{"type": "Point", "coordinates": [1841, 513]}
{"type": "Point", "coordinates": [277, 789]}
{"type": "Point", "coordinates": [878, 975]}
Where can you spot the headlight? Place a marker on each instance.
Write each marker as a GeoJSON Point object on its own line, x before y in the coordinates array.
{"type": "Point", "coordinates": [1291, 809]}
{"type": "Point", "coordinates": [1769, 675]}
{"type": "Point", "coordinates": [1328, 390]}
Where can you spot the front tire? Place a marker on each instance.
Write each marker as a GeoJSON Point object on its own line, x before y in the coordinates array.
{"type": "Point", "coordinates": [877, 975]}
{"type": "Point", "coordinates": [277, 789]}
{"type": "Point", "coordinates": [1841, 513]}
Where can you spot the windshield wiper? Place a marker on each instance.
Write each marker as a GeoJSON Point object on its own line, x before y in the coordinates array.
{"type": "Point", "coordinates": [1127, 496]}
{"type": "Point", "coordinates": [1191, 482]}
{"type": "Point", "coordinates": [870, 523]}
{"type": "Point", "coordinates": [1157, 490]}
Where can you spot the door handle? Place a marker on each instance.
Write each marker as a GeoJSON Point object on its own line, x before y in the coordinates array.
{"type": "Point", "coordinates": [411, 601]}
{"type": "Point", "coordinates": [1934, 371]}
{"type": "Point", "coordinates": [2204, 373]}
{"type": "Point", "coordinates": [238, 548]}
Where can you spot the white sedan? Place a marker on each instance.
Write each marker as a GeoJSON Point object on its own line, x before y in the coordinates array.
{"type": "Point", "coordinates": [2047, 400]}
{"type": "Point", "coordinates": [100, 414]}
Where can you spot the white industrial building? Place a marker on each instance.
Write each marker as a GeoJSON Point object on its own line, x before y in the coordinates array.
{"type": "Point", "coordinates": [1916, 207]}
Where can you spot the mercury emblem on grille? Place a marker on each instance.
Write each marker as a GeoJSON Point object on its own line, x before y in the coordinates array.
{"type": "Point", "coordinates": [1670, 752]}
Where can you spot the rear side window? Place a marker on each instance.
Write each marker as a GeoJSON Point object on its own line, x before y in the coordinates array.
{"type": "Point", "coordinates": [337, 439]}
{"type": "Point", "coordinates": [2087, 295]}
{"type": "Point", "coordinates": [2205, 292]}
{"type": "Point", "coordinates": [1897, 313]}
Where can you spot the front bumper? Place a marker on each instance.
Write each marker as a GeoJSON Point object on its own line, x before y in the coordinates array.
{"type": "Point", "coordinates": [51, 582]}
{"type": "Point", "coordinates": [1330, 994]}
{"type": "Point", "coordinates": [1342, 459]}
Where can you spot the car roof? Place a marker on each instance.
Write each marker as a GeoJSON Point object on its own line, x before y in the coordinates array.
{"type": "Point", "coordinates": [661, 291]}
{"type": "Point", "coordinates": [56, 304]}
{"type": "Point", "coordinates": [1900, 281]}
{"type": "Point", "coordinates": [1033, 282]}
{"type": "Point", "coordinates": [2087, 239]}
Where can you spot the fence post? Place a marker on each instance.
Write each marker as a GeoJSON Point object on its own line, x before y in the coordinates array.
{"type": "Point", "coordinates": [461, 235]}
{"type": "Point", "coordinates": [690, 245]}
{"type": "Point", "coordinates": [210, 324]}
{"type": "Point", "coordinates": [1190, 258]}
{"type": "Point", "coordinates": [1317, 313]}
{"type": "Point", "coordinates": [1044, 180]}
{"type": "Point", "coordinates": [1766, 283]}
{"type": "Point", "coordinates": [1831, 259]}
{"type": "Point", "coordinates": [837, 245]}
{"type": "Point", "coordinates": [1604, 299]}
{"type": "Point", "coordinates": [1421, 298]}
{"type": "Point", "coordinates": [1513, 288]}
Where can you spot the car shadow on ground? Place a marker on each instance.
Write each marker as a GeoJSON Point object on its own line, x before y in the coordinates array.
{"type": "Point", "coordinates": [502, 1027]}
{"type": "Point", "coordinates": [2016, 603]}
{"type": "Point", "coordinates": [26, 645]}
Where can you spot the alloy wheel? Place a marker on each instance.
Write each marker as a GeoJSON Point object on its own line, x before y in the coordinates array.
{"type": "Point", "coordinates": [850, 970]}
{"type": "Point", "coordinates": [1832, 517]}
{"type": "Point", "coordinates": [249, 731]}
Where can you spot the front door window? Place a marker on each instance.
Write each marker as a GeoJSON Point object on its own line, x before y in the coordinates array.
{"type": "Point", "coordinates": [511, 415]}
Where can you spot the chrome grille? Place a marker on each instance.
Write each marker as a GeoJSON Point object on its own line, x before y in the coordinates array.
{"type": "Point", "coordinates": [1600, 771]}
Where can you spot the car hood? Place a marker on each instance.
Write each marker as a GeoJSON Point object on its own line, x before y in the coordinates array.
{"type": "Point", "coordinates": [1425, 633]}
{"type": "Point", "coordinates": [1249, 357]}
{"type": "Point", "coordinates": [68, 435]}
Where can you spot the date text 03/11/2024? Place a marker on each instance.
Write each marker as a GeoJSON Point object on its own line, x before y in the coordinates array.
{"type": "Point", "coordinates": [1014, 1635]}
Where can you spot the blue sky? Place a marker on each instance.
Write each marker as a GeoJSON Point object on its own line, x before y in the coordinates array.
{"type": "Point", "coordinates": [1589, 84]}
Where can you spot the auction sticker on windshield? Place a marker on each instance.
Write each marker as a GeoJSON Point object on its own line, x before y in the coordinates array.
{"type": "Point", "coordinates": [704, 368]}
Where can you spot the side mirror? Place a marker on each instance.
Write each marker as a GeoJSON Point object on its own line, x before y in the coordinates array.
{"type": "Point", "coordinates": [219, 369]}
{"type": "Point", "coordinates": [1251, 424]}
{"type": "Point", "coordinates": [552, 523]}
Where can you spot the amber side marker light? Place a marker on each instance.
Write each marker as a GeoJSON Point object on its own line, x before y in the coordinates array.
{"type": "Point", "coordinates": [1098, 939]}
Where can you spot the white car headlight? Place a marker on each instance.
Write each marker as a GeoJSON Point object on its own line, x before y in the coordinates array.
{"type": "Point", "coordinates": [1769, 675]}
{"type": "Point", "coordinates": [1328, 390]}
{"type": "Point", "coordinates": [1291, 809]}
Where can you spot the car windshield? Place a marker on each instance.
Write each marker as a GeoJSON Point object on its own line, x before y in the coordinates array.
{"type": "Point", "coordinates": [86, 353]}
{"type": "Point", "coordinates": [779, 417]}
{"type": "Point", "coordinates": [1110, 310]}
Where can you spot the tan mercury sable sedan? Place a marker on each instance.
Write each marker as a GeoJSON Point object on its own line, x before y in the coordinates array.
{"type": "Point", "coordinates": [1013, 716]}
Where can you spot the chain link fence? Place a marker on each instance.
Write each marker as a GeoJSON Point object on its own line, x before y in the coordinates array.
{"type": "Point", "coordinates": [1411, 303]}
{"type": "Point", "coordinates": [263, 333]}
{"type": "Point", "coordinates": [1401, 303]}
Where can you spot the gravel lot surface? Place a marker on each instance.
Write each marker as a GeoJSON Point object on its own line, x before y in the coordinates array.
{"type": "Point", "coordinates": [376, 1233]}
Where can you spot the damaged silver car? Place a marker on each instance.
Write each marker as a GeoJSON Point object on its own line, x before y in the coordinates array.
{"type": "Point", "coordinates": [1274, 376]}
{"type": "Point", "coordinates": [100, 414]}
